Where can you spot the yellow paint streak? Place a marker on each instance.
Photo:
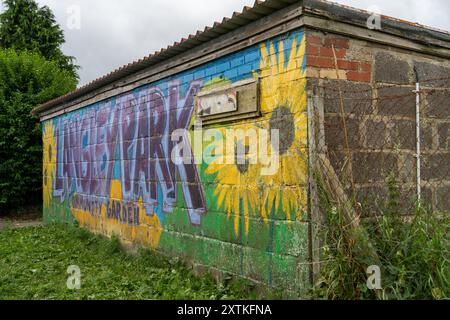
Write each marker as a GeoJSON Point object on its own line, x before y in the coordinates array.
{"type": "Point", "coordinates": [49, 162]}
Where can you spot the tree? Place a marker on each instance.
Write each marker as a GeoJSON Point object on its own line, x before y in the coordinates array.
{"type": "Point", "coordinates": [26, 26]}
{"type": "Point", "coordinates": [26, 80]}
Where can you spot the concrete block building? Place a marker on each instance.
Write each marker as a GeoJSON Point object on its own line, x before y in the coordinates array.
{"type": "Point", "coordinates": [369, 102]}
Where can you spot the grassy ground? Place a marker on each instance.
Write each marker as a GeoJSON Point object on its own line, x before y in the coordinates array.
{"type": "Point", "coordinates": [34, 264]}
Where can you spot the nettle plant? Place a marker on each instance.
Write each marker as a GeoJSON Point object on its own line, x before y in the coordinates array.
{"type": "Point", "coordinates": [412, 253]}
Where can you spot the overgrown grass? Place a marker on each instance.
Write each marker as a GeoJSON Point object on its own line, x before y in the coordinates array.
{"type": "Point", "coordinates": [34, 262]}
{"type": "Point", "coordinates": [412, 252]}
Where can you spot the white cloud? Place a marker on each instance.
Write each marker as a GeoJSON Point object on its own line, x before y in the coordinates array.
{"type": "Point", "coordinates": [116, 32]}
{"type": "Point", "coordinates": [433, 13]}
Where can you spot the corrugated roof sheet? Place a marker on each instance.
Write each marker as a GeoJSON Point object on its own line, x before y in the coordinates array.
{"type": "Point", "coordinates": [238, 19]}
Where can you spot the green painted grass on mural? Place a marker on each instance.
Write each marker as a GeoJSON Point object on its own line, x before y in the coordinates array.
{"type": "Point", "coordinates": [34, 265]}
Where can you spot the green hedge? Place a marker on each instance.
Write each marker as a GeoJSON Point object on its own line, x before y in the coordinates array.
{"type": "Point", "coordinates": [26, 80]}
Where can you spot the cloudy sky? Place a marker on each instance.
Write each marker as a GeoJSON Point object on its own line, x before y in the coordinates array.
{"type": "Point", "coordinates": [112, 33]}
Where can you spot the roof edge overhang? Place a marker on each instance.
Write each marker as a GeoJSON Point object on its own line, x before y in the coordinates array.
{"type": "Point", "coordinates": [264, 20]}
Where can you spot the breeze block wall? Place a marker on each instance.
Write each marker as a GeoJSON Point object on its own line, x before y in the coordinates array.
{"type": "Point", "coordinates": [365, 97]}
{"type": "Point", "coordinates": [108, 167]}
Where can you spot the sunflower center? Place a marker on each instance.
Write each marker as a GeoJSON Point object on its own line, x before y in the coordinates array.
{"type": "Point", "coordinates": [283, 120]}
{"type": "Point", "coordinates": [241, 159]}
{"type": "Point", "coordinates": [45, 177]}
{"type": "Point", "coordinates": [50, 152]}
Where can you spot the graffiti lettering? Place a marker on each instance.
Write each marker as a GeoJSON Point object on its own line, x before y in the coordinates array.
{"type": "Point", "coordinates": [129, 138]}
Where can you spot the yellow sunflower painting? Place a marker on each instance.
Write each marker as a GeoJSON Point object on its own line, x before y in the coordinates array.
{"type": "Point", "coordinates": [236, 176]}
{"type": "Point", "coordinates": [49, 162]}
{"type": "Point", "coordinates": [241, 189]}
{"type": "Point", "coordinates": [237, 181]}
{"type": "Point", "coordinates": [284, 107]}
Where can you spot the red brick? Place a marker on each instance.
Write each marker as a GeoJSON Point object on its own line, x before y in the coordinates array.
{"type": "Point", "coordinates": [313, 40]}
{"type": "Point", "coordinates": [320, 62]}
{"type": "Point", "coordinates": [359, 76]}
{"type": "Point", "coordinates": [328, 52]}
{"type": "Point", "coordinates": [366, 67]}
{"type": "Point", "coordinates": [348, 65]}
{"type": "Point", "coordinates": [312, 50]}
{"type": "Point", "coordinates": [339, 43]}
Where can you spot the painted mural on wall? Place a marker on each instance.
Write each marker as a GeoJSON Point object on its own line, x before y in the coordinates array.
{"type": "Point", "coordinates": [109, 166]}
{"type": "Point", "coordinates": [283, 105]}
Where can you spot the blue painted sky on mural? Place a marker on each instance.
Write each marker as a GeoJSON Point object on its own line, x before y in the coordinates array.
{"type": "Point", "coordinates": [116, 32]}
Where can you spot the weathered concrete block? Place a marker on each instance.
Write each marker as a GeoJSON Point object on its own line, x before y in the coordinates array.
{"type": "Point", "coordinates": [339, 161]}
{"type": "Point", "coordinates": [426, 137]}
{"type": "Point", "coordinates": [373, 167]}
{"type": "Point", "coordinates": [391, 69]}
{"type": "Point", "coordinates": [312, 85]}
{"type": "Point", "coordinates": [335, 133]}
{"type": "Point", "coordinates": [427, 196]}
{"type": "Point", "coordinates": [438, 104]}
{"type": "Point", "coordinates": [297, 245]}
{"type": "Point", "coordinates": [444, 136]}
{"type": "Point", "coordinates": [437, 73]}
{"type": "Point", "coordinates": [375, 200]}
{"type": "Point", "coordinates": [357, 97]}
{"type": "Point", "coordinates": [436, 166]}
{"type": "Point", "coordinates": [397, 101]}
{"type": "Point", "coordinates": [408, 200]}
{"type": "Point", "coordinates": [403, 135]}
{"type": "Point", "coordinates": [407, 165]}
{"type": "Point", "coordinates": [375, 134]}
{"type": "Point", "coordinates": [442, 198]}
{"type": "Point", "coordinates": [372, 200]}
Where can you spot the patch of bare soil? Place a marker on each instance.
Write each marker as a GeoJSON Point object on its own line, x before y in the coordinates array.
{"type": "Point", "coordinates": [29, 217]}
